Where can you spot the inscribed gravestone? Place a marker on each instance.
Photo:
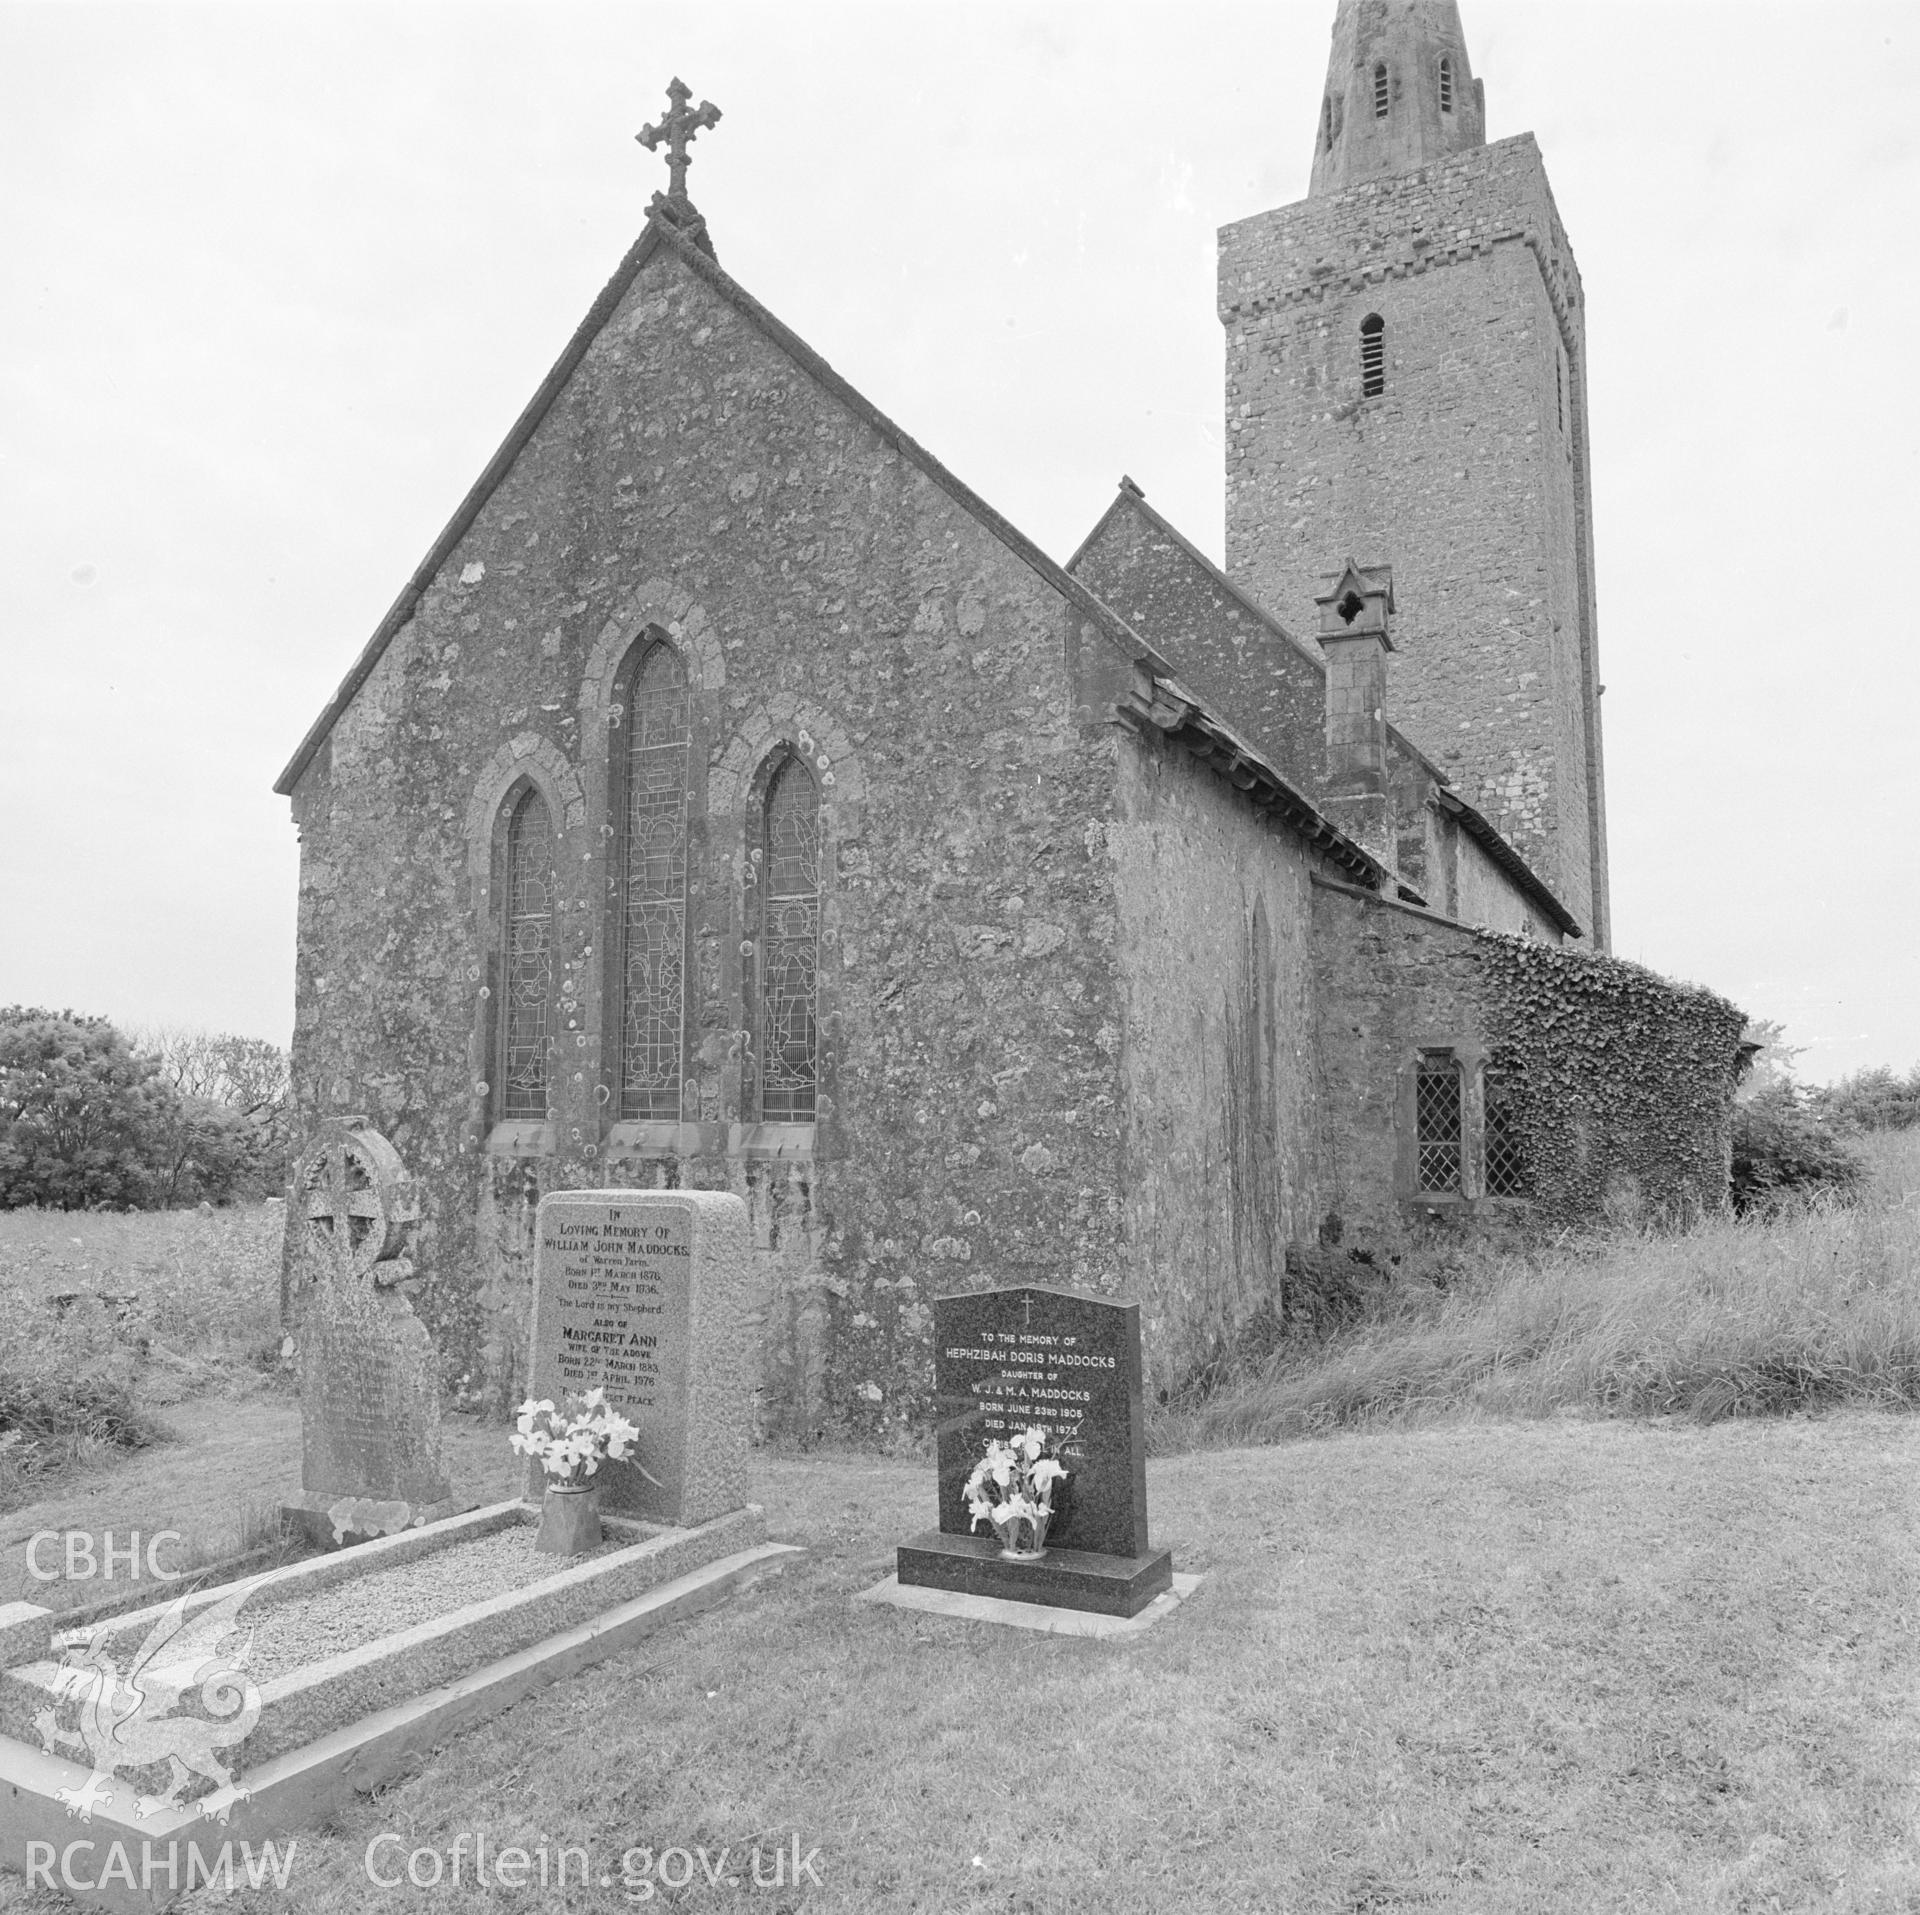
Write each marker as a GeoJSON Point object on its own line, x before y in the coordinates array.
{"type": "Point", "coordinates": [1005, 1360]}
{"type": "Point", "coordinates": [647, 1294]}
{"type": "Point", "coordinates": [369, 1375]}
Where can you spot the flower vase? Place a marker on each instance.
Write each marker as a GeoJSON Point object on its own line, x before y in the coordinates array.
{"type": "Point", "coordinates": [569, 1519]}
{"type": "Point", "coordinates": [1009, 1527]}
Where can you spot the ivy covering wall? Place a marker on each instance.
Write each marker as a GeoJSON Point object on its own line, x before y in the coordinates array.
{"type": "Point", "coordinates": [1621, 1082]}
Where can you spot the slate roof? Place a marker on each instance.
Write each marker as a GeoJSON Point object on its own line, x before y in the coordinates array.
{"type": "Point", "coordinates": [1470, 819]}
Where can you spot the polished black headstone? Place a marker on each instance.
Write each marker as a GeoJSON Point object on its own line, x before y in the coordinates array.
{"type": "Point", "coordinates": [1005, 1360]}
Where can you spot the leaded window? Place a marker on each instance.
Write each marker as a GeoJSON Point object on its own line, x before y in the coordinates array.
{"type": "Point", "coordinates": [1439, 1130]}
{"type": "Point", "coordinates": [1506, 1169]}
{"type": "Point", "coordinates": [526, 1011]}
{"type": "Point", "coordinates": [789, 947]}
{"type": "Point", "coordinates": [653, 885]}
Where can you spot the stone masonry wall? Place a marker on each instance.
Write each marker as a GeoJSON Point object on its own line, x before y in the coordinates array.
{"type": "Point", "coordinates": [1623, 1082]}
{"type": "Point", "coordinates": [1272, 689]}
{"type": "Point", "coordinates": [1222, 1118]}
{"type": "Point", "coordinates": [1467, 474]}
{"type": "Point", "coordinates": [693, 480]}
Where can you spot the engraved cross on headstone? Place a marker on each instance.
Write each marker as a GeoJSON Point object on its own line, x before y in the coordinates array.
{"type": "Point", "coordinates": [356, 1202]}
{"type": "Point", "coordinates": [675, 129]}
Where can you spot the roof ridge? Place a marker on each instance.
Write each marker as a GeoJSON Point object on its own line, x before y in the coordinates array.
{"type": "Point", "coordinates": [1476, 823]}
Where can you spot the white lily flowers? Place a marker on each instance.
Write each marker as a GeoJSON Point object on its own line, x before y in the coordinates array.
{"type": "Point", "coordinates": [572, 1444]}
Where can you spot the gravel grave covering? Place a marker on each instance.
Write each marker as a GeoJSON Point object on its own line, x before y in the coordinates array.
{"type": "Point", "coordinates": [307, 1629]}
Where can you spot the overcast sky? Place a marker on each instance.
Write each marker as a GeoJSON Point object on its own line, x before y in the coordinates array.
{"type": "Point", "coordinates": [276, 279]}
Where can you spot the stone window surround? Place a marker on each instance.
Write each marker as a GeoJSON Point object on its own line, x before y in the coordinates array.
{"type": "Point", "coordinates": [525, 761]}
{"type": "Point", "coordinates": [1471, 1057]}
{"type": "Point", "coordinates": [724, 784]}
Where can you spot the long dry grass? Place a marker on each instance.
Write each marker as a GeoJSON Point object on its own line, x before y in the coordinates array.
{"type": "Point", "coordinates": [104, 1318]}
{"type": "Point", "coordinates": [1814, 1307]}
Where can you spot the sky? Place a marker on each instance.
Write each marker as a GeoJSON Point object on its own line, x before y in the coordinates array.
{"type": "Point", "coordinates": [278, 278]}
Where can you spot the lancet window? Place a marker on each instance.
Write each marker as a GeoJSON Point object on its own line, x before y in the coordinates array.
{"type": "Point", "coordinates": [1439, 1126]}
{"type": "Point", "coordinates": [526, 1014]}
{"type": "Point", "coordinates": [788, 948]}
{"type": "Point", "coordinates": [1382, 91]}
{"type": "Point", "coordinates": [1506, 1167]}
{"type": "Point", "coordinates": [1373, 356]}
{"type": "Point", "coordinates": [651, 779]}
{"type": "Point", "coordinates": [1446, 83]}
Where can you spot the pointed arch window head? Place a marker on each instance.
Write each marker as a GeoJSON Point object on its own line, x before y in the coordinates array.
{"type": "Point", "coordinates": [1382, 91]}
{"type": "Point", "coordinates": [652, 880]}
{"type": "Point", "coordinates": [526, 1008]}
{"type": "Point", "coordinates": [786, 1049]}
{"type": "Point", "coordinates": [1446, 83]}
{"type": "Point", "coordinates": [1373, 356]}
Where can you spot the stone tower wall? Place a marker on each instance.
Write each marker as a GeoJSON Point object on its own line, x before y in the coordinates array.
{"type": "Point", "coordinates": [1468, 474]}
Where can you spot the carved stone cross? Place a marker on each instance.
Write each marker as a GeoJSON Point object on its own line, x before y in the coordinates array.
{"type": "Point", "coordinates": [359, 1202]}
{"type": "Point", "coordinates": [675, 129]}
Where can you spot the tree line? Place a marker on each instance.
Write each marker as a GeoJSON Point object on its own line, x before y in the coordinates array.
{"type": "Point", "coordinates": [92, 1117]}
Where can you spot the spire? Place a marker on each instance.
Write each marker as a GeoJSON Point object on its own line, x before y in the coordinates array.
{"type": "Point", "coordinates": [1399, 93]}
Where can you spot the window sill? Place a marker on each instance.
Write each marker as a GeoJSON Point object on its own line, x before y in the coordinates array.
{"type": "Point", "coordinates": [661, 1137]}
{"type": "Point", "coordinates": [1458, 1200]}
{"type": "Point", "coordinates": [521, 1137]}
{"type": "Point", "coordinates": [791, 1143]}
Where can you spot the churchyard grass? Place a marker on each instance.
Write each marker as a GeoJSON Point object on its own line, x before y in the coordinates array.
{"type": "Point", "coordinates": [105, 1317]}
{"type": "Point", "coordinates": [1816, 1306]}
{"type": "Point", "coordinates": [1573, 1665]}
{"type": "Point", "coordinates": [1579, 1661]}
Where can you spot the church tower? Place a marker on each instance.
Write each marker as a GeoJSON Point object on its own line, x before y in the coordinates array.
{"type": "Point", "coordinates": [1406, 386]}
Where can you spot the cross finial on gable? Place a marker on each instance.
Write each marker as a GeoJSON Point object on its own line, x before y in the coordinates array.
{"type": "Point", "coordinates": [675, 128]}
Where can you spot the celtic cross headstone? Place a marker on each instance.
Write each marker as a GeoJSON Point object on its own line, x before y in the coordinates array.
{"type": "Point", "coordinates": [371, 1451]}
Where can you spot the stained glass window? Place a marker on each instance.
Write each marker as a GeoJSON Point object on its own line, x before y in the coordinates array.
{"type": "Point", "coordinates": [789, 946]}
{"type": "Point", "coordinates": [1437, 1122]}
{"type": "Point", "coordinates": [526, 1012]}
{"type": "Point", "coordinates": [654, 887]}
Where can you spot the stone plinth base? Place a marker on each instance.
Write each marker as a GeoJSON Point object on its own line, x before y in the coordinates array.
{"type": "Point", "coordinates": [1062, 1578]}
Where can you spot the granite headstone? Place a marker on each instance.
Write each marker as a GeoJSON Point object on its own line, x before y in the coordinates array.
{"type": "Point", "coordinates": [1009, 1360]}
{"type": "Point", "coordinates": [646, 1293]}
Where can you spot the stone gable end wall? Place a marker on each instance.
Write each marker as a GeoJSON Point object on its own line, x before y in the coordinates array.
{"type": "Point", "coordinates": [691, 480]}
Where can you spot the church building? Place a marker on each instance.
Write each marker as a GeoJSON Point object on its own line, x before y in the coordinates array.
{"type": "Point", "coordinates": [733, 799]}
